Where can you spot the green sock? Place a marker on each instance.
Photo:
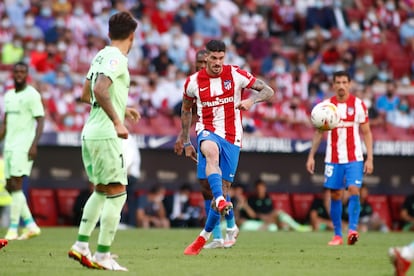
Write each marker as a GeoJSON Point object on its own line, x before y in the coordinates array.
{"type": "Point", "coordinates": [16, 208]}
{"type": "Point", "coordinates": [26, 214]}
{"type": "Point", "coordinates": [91, 212]}
{"type": "Point", "coordinates": [283, 217]}
{"type": "Point", "coordinates": [111, 215]}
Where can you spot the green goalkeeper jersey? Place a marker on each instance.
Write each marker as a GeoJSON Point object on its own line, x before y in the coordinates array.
{"type": "Point", "coordinates": [113, 64]}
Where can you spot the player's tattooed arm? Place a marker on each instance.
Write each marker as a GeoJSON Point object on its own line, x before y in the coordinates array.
{"type": "Point", "coordinates": [186, 115]}
{"type": "Point", "coordinates": [265, 91]}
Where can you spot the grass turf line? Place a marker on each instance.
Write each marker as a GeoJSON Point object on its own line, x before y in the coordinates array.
{"type": "Point", "coordinates": [160, 252]}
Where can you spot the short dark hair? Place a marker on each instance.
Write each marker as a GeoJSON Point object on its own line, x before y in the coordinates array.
{"type": "Point", "coordinates": [121, 25]}
{"type": "Point", "coordinates": [21, 63]}
{"type": "Point", "coordinates": [201, 52]}
{"type": "Point", "coordinates": [341, 73]}
{"type": "Point", "coordinates": [216, 46]}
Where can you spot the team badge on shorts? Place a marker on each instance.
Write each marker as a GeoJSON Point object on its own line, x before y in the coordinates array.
{"type": "Point", "coordinates": [205, 133]}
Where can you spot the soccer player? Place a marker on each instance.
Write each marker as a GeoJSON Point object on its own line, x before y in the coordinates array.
{"type": "Point", "coordinates": [232, 230]}
{"type": "Point", "coordinates": [344, 160]}
{"type": "Point", "coordinates": [217, 90]}
{"type": "Point", "coordinates": [401, 258]}
{"type": "Point", "coordinates": [106, 89]}
{"type": "Point", "coordinates": [22, 127]}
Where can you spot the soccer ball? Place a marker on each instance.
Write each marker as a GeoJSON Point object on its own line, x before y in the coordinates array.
{"type": "Point", "coordinates": [325, 116]}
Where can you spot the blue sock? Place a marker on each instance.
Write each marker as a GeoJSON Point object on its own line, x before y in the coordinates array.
{"type": "Point", "coordinates": [354, 208]}
{"type": "Point", "coordinates": [215, 184]}
{"type": "Point", "coordinates": [230, 217]}
{"type": "Point", "coordinates": [217, 231]}
{"type": "Point", "coordinates": [336, 216]}
{"type": "Point", "coordinates": [212, 219]}
{"type": "Point", "coordinates": [207, 205]}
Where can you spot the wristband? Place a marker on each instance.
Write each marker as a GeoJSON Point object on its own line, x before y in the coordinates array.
{"type": "Point", "coordinates": [187, 144]}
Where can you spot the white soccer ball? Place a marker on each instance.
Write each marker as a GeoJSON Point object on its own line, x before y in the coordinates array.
{"type": "Point", "coordinates": [325, 116]}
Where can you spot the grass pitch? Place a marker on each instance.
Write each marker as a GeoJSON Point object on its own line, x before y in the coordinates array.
{"type": "Point", "coordinates": [160, 252]}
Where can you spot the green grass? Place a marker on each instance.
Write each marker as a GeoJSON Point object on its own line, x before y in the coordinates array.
{"type": "Point", "coordinates": [160, 252]}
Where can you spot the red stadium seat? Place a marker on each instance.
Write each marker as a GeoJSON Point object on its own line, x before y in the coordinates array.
{"type": "Point", "coordinates": [380, 205]}
{"type": "Point", "coordinates": [396, 202]}
{"type": "Point", "coordinates": [282, 201]}
{"type": "Point", "coordinates": [65, 201]}
{"type": "Point", "coordinates": [43, 206]}
{"type": "Point", "coordinates": [196, 199]}
{"type": "Point", "coordinates": [301, 204]}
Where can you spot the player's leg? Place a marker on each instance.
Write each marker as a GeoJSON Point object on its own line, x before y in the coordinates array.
{"type": "Point", "coordinates": [334, 174]}
{"type": "Point", "coordinates": [210, 148]}
{"type": "Point", "coordinates": [353, 177]}
{"type": "Point", "coordinates": [17, 165]}
{"type": "Point", "coordinates": [229, 161]}
{"type": "Point", "coordinates": [91, 211]}
{"type": "Point", "coordinates": [218, 241]}
{"type": "Point", "coordinates": [113, 176]}
{"type": "Point", "coordinates": [401, 258]}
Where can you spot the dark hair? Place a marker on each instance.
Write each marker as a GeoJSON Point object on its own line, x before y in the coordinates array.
{"type": "Point", "coordinates": [121, 25]}
{"type": "Point", "coordinates": [201, 52]}
{"type": "Point", "coordinates": [216, 46]}
{"type": "Point", "coordinates": [21, 63]}
{"type": "Point", "coordinates": [338, 74]}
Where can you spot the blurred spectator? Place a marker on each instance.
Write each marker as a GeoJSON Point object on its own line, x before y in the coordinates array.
{"type": "Point", "coordinates": [185, 18]}
{"type": "Point", "coordinates": [29, 31]}
{"type": "Point", "coordinates": [61, 7]}
{"type": "Point", "coordinates": [353, 32]}
{"type": "Point", "coordinates": [407, 213]}
{"type": "Point", "coordinates": [319, 212]}
{"type": "Point", "coordinates": [205, 23]}
{"type": "Point", "coordinates": [366, 67]}
{"type": "Point", "coordinates": [7, 30]}
{"type": "Point", "coordinates": [269, 66]}
{"type": "Point", "coordinates": [406, 32]}
{"type": "Point", "coordinates": [262, 215]}
{"type": "Point", "coordinates": [388, 15]}
{"type": "Point", "coordinates": [373, 31]}
{"type": "Point", "coordinates": [340, 16]}
{"type": "Point", "coordinates": [225, 12]}
{"type": "Point", "coordinates": [150, 211]}
{"type": "Point", "coordinates": [16, 10]}
{"type": "Point", "coordinates": [45, 20]}
{"type": "Point", "coordinates": [161, 62]}
{"type": "Point", "coordinates": [179, 210]}
{"type": "Point", "coordinates": [284, 20]}
{"type": "Point", "coordinates": [161, 19]}
{"type": "Point", "coordinates": [12, 51]}
{"type": "Point", "coordinates": [249, 21]}
{"type": "Point", "coordinates": [320, 15]}
{"type": "Point", "coordinates": [389, 101]}
{"type": "Point", "coordinates": [402, 117]}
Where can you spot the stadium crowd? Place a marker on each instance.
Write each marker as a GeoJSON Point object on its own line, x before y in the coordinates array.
{"type": "Point", "coordinates": [295, 45]}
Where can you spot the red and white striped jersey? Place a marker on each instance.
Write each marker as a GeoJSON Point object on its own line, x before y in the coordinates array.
{"type": "Point", "coordinates": [216, 98]}
{"type": "Point", "coordinates": [344, 143]}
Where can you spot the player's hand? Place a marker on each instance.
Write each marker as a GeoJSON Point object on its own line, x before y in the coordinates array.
{"type": "Point", "coordinates": [310, 165]}
{"type": "Point", "coordinates": [368, 166]}
{"type": "Point", "coordinates": [32, 152]}
{"type": "Point", "coordinates": [191, 152]}
{"type": "Point", "coordinates": [245, 104]}
{"type": "Point", "coordinates": [132, 114]}
{"type": "Point", "coordinates": [179, 146]}
{"type": "Point", "coordinates": [121, 131]}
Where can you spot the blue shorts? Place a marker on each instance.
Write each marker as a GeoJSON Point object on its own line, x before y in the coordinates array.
{"type": "Point", "coordinates": [229, 156]}
{"type": "Point", "coordinates": [341, 176]}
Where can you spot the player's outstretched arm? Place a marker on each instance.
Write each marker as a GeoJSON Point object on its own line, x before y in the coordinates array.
{"type": "Point", "coordinates": [265, 93]}
{"type": "Point", "coordinates": [183, 140]}
{"type": "Point", "coordinates": [316, 141]}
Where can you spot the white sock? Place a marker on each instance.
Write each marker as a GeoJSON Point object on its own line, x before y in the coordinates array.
{"type": "Point", "coordinates": [82, 245]}
{"type": "Point", "coordinates": [206, 235]}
